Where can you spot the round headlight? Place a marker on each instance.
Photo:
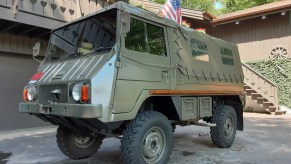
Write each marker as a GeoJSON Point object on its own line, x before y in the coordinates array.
{"type": "Point", "coordinates": [76, 92]}
{"type": "Point", "coordinates": [31, 93]}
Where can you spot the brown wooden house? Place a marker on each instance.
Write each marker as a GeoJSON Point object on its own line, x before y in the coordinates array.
{"type": "Point", "coordinates": [261, 32]}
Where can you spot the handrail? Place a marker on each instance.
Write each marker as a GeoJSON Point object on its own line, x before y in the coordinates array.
{"type": "Point", "coordinates": [259, 74]}
{"type": "Point", "coordinates": [261, 84]}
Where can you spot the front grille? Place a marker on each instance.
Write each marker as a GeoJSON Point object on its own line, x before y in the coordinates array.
{"type": "Point", "coordinates": [46, 94]}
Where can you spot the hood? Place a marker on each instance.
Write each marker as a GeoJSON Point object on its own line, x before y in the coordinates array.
{"type": "Point", "coordinates": [71, 70]}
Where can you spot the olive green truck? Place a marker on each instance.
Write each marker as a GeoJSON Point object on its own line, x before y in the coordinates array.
{"type": "Point", "coordinates": [125, 72]}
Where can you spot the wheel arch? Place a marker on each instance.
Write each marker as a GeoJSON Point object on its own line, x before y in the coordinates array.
{"type": "Point", "coordinates": [237, 102]}
{"type": "Point", "coordinates": [162, 104]}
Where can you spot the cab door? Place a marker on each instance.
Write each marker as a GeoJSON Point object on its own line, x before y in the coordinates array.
{"type": "Point", "coordinates": [144, 63]}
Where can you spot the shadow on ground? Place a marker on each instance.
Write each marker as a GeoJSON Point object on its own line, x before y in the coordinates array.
{"type": "Point", "coordinates": [265, 140]}
{"type": "Point", "coordinates": [4, 157]}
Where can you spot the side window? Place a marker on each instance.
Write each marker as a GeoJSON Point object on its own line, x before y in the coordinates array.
{"type": "Point", "coordinates": [135, 38]}
{"type": "Point", "coordinates": [226, 56]}
{"type": "Point", "coordinates": [145, 37]}
{"type": "Point", "coordinates": [199, 50]}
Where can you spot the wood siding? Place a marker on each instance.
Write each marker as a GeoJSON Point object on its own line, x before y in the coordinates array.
{"type": "Point", "coordinates": [19, 44]}
{"type": "Point", "coordinates": [256, 37]}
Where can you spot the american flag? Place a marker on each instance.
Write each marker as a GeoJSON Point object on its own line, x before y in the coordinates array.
{"type": "Point", "coordinates": [172, 10]}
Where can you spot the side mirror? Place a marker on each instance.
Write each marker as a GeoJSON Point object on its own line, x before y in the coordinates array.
{"type": "Point", "coordinates": [125, 22]}
{"type": "Point", "coordinates": [36, 49]}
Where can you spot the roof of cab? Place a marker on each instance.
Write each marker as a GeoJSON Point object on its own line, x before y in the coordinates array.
{"type": "Point", "coordinates": [132, 10]}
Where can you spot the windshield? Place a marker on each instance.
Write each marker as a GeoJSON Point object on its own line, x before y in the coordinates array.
{"type": "Point", "coordinates": [95, 34]}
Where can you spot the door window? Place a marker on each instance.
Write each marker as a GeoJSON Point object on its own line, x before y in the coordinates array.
{"type": "Point", "coordinates": [145, 37]}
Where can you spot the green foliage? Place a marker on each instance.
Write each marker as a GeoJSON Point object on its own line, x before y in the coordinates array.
{"type": "Point", "coordinates": [278, 71]}
{"type": "Point", "coordinates": [144, 37]}
{"type": "Point", "coordinates": [235, 5]}
{"type": "Point", "coordinates": [204, 5]}
{"type": "Point", "coordinates": [227, 5]}
{"type": "Point", "coordinates": [159, 1]}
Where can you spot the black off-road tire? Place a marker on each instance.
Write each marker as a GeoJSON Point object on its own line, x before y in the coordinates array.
{"type": "Point", "coordinates": [137, 145]}
{"type": "Point", "coordinates": [223, 134]}
{"type": "Point", "coordinates": [66, 140]}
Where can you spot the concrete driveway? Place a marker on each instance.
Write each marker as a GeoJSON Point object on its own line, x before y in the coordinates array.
{"type": "Point", "coordinates": [266, 139]}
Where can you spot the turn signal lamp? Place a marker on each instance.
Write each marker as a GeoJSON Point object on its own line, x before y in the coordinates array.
{"type": "Point", "coordinates": [85, 93]}
{"type": "Point", "coordinates": [25, 94]}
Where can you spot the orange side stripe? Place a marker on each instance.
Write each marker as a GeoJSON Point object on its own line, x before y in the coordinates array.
{"type": "Point", "coordinates": [191, 92]}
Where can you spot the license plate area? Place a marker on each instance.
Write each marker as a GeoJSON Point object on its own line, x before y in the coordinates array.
{"type": "Point", "coordinates": [45, 110]}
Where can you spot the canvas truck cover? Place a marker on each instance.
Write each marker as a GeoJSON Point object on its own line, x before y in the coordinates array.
{"type": "Point", "coordinates": [201, 57]}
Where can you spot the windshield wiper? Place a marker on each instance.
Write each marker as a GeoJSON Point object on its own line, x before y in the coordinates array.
{"type": "Point", "coordinates": [100, 49]}
{"type": "Point", "coordinates": [71, 54]}
{"type": "Point", "coordinates": [79, 53]}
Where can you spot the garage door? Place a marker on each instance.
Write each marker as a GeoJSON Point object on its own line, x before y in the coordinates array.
{"type": "Point", "coordinates": [15, 72]}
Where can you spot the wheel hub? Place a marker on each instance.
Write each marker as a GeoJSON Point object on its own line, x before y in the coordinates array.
{"type": "Point", "coordinates": [228, 127]}
{"type": "Point", "coordinates": [153, 145]}
{"type": "Point", "coordinates": [83, 141]}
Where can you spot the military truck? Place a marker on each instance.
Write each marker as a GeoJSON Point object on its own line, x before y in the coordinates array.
{"type": "Point", "coordinates": [125, 72]}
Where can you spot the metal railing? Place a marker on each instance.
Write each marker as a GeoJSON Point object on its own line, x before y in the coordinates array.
{"type": "Point", "coordinates": [51, 13]}
{"type": "Point", "coordinates": [260, 84]}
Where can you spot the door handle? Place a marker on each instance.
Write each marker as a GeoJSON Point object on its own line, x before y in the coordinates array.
{"type": "Point", "coordinates": [165, 74]}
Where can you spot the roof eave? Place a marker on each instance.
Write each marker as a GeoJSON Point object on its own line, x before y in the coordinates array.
{"type": "Point", "coordinates": [220, 21]}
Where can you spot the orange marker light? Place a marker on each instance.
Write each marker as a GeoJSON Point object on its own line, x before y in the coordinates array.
{"type": "Point", "coordinates": [25, 94]}
{"type": "Point", "coordinates": [85, 93]}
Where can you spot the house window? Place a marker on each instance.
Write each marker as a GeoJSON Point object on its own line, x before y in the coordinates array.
{"type": "Point", "coordinates": [279, 52]}
{"type": "Point", "coordinates": [145, 37]}
{"type": "Point", "coordinates": [199, 50]}
{"type": "Point", "coordinates": [226, 56]}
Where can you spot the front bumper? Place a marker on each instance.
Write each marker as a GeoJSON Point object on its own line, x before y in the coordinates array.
{"type": "Point", "coordinates": [63, 109]}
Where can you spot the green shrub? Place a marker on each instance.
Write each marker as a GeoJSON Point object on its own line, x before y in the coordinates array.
{"type": "Point", "coordinates": [278, 71]}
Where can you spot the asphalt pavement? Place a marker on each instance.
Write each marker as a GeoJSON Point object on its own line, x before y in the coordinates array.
{"type": "Point", "coordinates": [266, 139]}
